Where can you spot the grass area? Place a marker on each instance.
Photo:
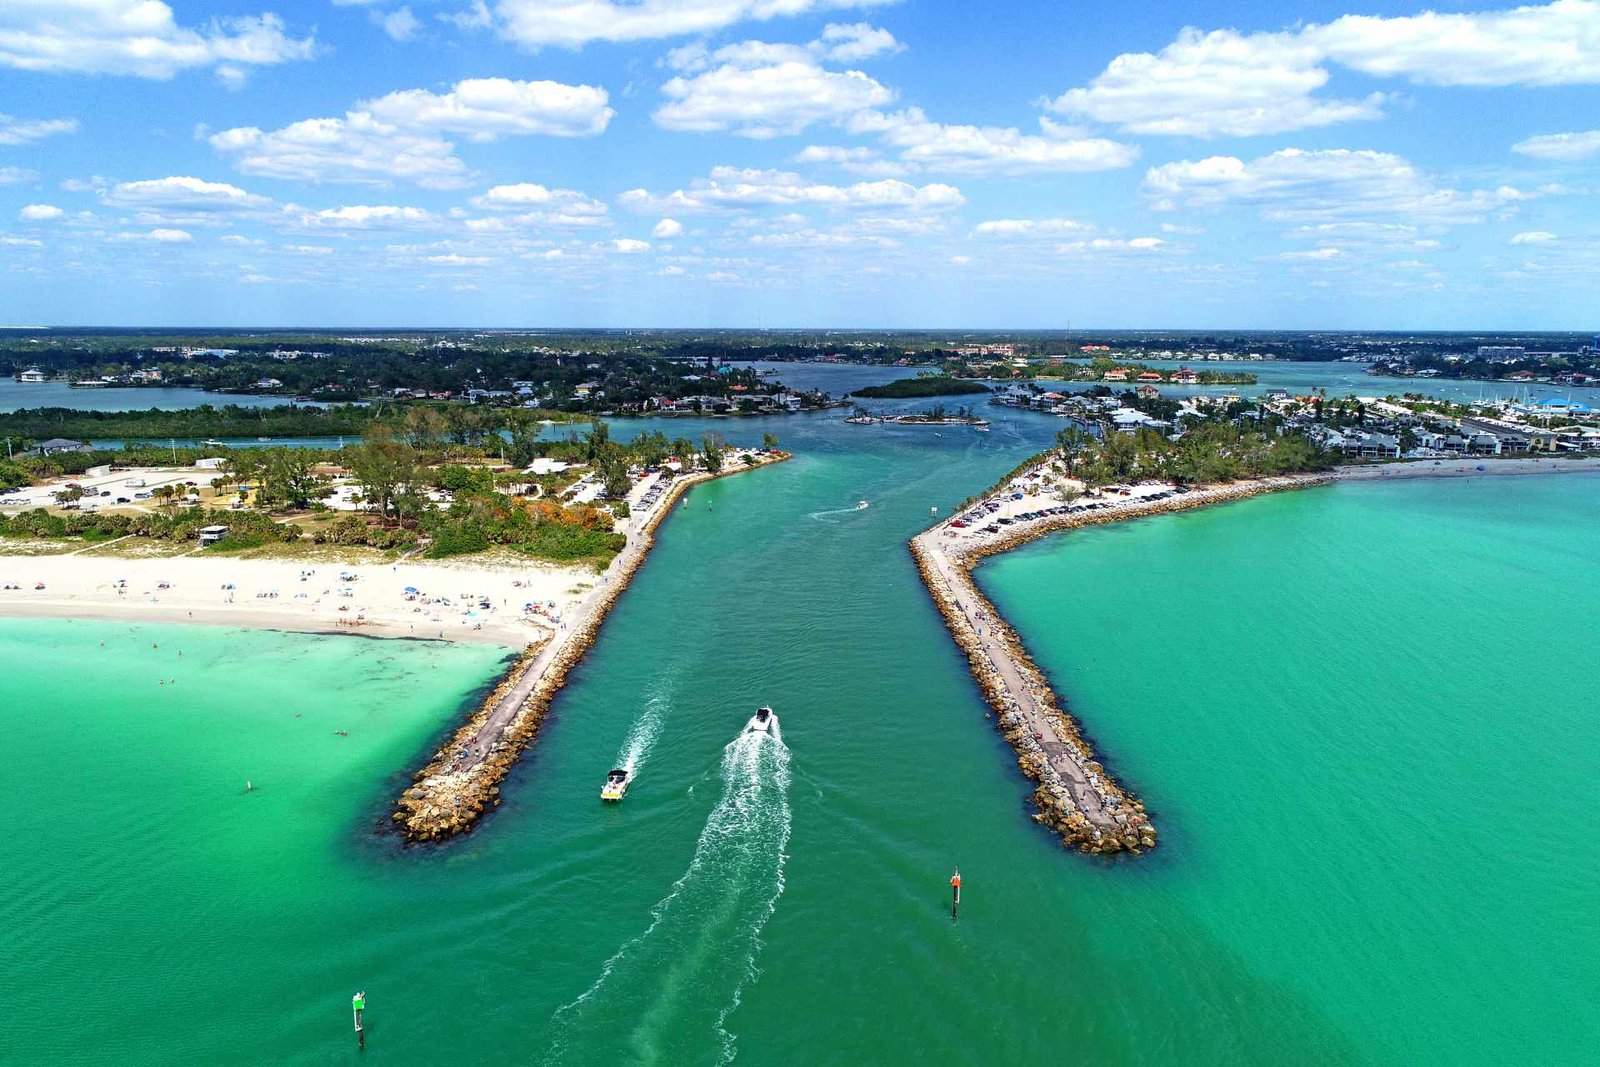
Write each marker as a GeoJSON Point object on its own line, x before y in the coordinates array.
{"type": "Point", "coordinates": [140, 548]}
{"type": "Point", "coordinates": [17, 546]}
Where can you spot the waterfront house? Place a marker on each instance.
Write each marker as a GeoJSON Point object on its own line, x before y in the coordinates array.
{"type": "Point", "coordinates": [210, 535]}
{"type": "Point", "coordinates": [1185, 376]}
{"type": "Point", "coordinates": [58, 445]}
{"type": "Point", "coordinates": [1148, 392]}
{"type": "Point", "coordinates": [33, 375]}
{"type": "Point", "coordinates": [1115, 375]}
{"type": "Point", "coordinates": [1430, 441]}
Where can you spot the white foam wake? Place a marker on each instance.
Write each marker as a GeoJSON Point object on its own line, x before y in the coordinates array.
{"type": "Point", "coordinates": [671, 989]}
{"type": "Point", "coordinates": [826, 516]}
{"type": "Point", "coordinates": [642, 736]}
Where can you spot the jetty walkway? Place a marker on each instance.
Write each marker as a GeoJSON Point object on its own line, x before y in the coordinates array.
{"type": "Point", "coordinates": [462, 781]}
{"type": "Point", "coordinates": [1075, 797]}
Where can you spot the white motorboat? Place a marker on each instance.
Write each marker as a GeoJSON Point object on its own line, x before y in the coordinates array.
{"type": "Point", "coordinates": [862, 505]}
{"type": "Point", "coordinates": [764, 721]}
{"type": "Point", "coordinates": [616, 786]}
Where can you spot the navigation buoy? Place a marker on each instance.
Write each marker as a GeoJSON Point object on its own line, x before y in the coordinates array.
{"type": "Point", "coordinates": [955, 892]}
{"type": "Point", "coordinates": [249, 787]}
{"type": "Point", "coordinates": [358, 1006]}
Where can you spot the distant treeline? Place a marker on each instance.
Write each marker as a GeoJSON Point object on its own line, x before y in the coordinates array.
{"type": "Point", "coordinates": [231, 420]}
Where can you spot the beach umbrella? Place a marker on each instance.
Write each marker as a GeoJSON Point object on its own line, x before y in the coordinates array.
{"type": "Point", "coordinates": [412, 589]}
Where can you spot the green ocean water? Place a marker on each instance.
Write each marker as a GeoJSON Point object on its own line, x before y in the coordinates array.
{"type": "Point", "coordinates": [1359, 716]}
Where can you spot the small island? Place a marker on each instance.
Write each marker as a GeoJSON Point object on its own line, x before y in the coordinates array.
{"type": "Point", "coordinates": [922, 386]}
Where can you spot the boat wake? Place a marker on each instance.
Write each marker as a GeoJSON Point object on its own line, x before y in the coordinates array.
{"type": "Point", "coordinates": [642, 736]}
{"type": "Point", "coordinates": [666, 994]}
{"type": "Point", "coordinates": [827, 516]}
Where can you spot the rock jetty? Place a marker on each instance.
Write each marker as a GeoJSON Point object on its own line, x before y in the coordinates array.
{"type": "Point", "coordinates": [1075, 796]}
{"type": "Point", "coordinates": [462, 780]}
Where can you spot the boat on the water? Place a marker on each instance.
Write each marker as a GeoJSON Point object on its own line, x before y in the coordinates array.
{"type": "Point", "coordinates": [616, 786]}
{"type": "Point", "coordinates": [762, 722]}
{"type": "Point", "coordinates": [862, 505]}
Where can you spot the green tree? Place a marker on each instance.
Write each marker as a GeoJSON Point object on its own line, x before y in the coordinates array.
{"type": "Point", "coordinates": [1075, 442]}
{"type": "Point", "coordinates": [651, 448]}
{"type": "Point", "coordinates": [387, 470]}
{"type": "Point", "coordinates": [289, 479]}
{"type": "Point", "coordinates": [524, 428]}
{"type": "Point", "coordinates": [612, 465]}
{"type": "Point", "coordinates": [598, 437]}
{"type": "Point", "coordinates": [423, 426]}
{"type": "Point", "coordinates": [684, 451]}
{"type": "Point", "coordinates": [769, 441]}
{"type": "Point", "coordinates": [711, 451]}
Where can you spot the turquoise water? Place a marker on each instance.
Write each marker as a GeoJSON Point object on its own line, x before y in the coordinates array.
{"type": "Point", "coordinates": [1365, 720]}
{"type": "Point", "coordinates": [1357, 714]}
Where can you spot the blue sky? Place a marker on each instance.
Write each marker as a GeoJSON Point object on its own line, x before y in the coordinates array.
{"type": "Point", "coordinates": [852, 163]}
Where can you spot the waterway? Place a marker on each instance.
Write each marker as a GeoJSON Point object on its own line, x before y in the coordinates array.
{"type": "Point", "coordinates": [18, 396]}
{"type": "Point", "coordinates": [1357, 714]}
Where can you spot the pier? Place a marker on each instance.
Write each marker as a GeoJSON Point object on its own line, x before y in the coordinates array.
{"type": "Point", "coordinates": [462, 780]}
{"type": "Point", "coordinates": [1075, 796]}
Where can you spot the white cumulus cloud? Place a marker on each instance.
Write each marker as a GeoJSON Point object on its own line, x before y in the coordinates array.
{"type": "Point", "coordinates": [762, 90]}
{"type": "Point", "coordinates": [15, 131]}
{"type": "Point", "coordinates": [398, 137]}
{"type": "Point", "coordinates": [1226, 83]}
{"type": "Point", "coordinates": [182, 193]}
{"type": "Point", "coordinates": [400, 24]}
{"type": "Point", "coordinates": [1561, 147]}
{"type": "Point", "coordinates": [357, 148]}
{"type": "Point", "coordinates": [991, 149]}
{"type": "Point", "coordinates": [160, 235]}
{"type": "Point", "coordinates": [1533, 237]}
{"type": "Point", "coordinates": [41, 213]}
{"type": "Point", "coordinates": [574, 23]}
{"type": "Point", "coordinates": [733, 189]}
{"type": "Point", "coordinates": [667, 229]}
{"type": "Point", "coordinates": [482, 109]}
{"type": "Point", "coordinates": [1029, 227]}
{"type": "Point", "coordinates": [365, 216]}
{"type": "Point", "coordinates": [1295, 184]}
{"type": "Point", "coordinates": [1211, 84]}
{"type": "Point", "coordinates": [141, 38]}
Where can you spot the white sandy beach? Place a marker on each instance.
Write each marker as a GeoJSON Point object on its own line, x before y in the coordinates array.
{"type": "Point", "coordinates": [511, 605]}
{"type": "Point", "coordinates": [308, 597]}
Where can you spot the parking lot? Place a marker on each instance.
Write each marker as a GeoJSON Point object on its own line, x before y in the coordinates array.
{"type": "Point", "coordinates": [127, 490]}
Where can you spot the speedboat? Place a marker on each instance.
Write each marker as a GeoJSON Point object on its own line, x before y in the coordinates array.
{"type": "Point", "coordinates": [862, 505]}
{"type": "Point", "coordinates": [762, 722]}
{"type": "Point", "coordinates": [616, 786]}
